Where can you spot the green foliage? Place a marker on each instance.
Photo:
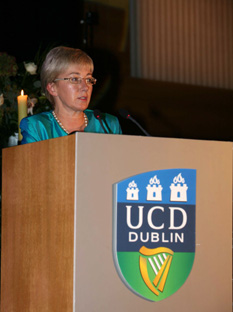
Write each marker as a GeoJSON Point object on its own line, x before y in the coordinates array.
{"type": "Point", "coordinates": [14, 78]}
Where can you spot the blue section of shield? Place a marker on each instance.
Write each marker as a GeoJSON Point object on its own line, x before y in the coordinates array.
{"type": "Point", "coordinates": [167, 220]}
{"type": "Point", "coordinates": [166, 178]}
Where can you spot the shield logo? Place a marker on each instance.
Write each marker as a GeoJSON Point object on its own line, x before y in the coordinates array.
{"type": "Point", "coordinates": [154, 231]}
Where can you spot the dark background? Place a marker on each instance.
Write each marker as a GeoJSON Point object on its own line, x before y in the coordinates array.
{"type": "Point", "coordinates": [27, 27]}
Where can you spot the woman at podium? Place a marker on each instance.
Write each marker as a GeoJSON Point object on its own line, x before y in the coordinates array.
{"type": "Point", "coordinates": [67, 81]}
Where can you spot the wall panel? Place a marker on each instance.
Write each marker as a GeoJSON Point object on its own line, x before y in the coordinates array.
{"type": "Point", "coordinates": [186, 41]}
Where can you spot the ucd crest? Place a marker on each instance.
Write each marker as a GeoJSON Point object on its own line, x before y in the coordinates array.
{"type": "Point", "coordinates": [154, 231]}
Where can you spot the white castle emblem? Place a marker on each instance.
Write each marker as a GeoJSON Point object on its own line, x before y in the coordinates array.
{"type": "Point", "coordinates": [154, 189]}
{"type": "Point", "coordinates": [132, 191]}
{"type": "Point", "coordinates": [178, 189]}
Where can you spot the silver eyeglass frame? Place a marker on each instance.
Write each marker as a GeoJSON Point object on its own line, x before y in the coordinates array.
{"type": "Point", "coordinates": [80, 80]}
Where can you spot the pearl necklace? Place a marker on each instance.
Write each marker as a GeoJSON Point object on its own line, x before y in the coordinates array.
{"type": "Point", "coordinates": [61, 125]}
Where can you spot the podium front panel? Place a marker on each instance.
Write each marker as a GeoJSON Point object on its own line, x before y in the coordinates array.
{"type": "Point", "coordinates": [102, 161]}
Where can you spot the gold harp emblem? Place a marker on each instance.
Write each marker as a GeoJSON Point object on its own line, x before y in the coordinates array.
{"type": "Point", "coordinates": [159, 259]}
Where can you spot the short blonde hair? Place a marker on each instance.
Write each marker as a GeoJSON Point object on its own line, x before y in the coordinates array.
{"type": "Point", "coordinates": [58, 60]}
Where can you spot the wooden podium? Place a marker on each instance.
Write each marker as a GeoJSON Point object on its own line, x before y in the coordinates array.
{"type": "Point", "coordinates": [57, 223]}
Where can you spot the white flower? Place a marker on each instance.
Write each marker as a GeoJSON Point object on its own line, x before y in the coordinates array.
{"type": "Point", "coordinates": [30, 67]}
{"type": "Point", "coordinates": [1, 99]}
{"type": "Point", "coordinates": [31, 103]}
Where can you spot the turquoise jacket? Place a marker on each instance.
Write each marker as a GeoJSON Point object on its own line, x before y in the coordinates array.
{"type": "Point", "coordinates": [44, 126]}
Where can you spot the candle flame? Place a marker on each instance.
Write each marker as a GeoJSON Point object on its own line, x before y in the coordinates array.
{"type": "Point", "coordinates": [22, 92]}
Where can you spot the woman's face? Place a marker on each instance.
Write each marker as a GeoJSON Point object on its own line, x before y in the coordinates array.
{"type": "Point", "coordinates": [69, 96]}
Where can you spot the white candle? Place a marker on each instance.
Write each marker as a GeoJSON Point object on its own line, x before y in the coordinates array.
{"type": "Point", "coordinates": [22, 109]}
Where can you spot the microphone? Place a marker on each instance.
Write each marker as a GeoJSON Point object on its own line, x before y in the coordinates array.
{"type": "Point", "coordinates": [124, 113]}
{"type": "Point", "coordinates": [97, 115]}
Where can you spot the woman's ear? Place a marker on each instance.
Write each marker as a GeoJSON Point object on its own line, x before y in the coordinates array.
{"type": "Point", "coordinates": [51, 88]}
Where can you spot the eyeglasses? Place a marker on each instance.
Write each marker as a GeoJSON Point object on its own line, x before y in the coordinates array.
{"type": "Point", "coordinates": [78, 80]}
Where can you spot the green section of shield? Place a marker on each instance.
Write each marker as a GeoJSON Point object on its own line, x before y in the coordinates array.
{"type": "Point", "coordinates": [179, 271]}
